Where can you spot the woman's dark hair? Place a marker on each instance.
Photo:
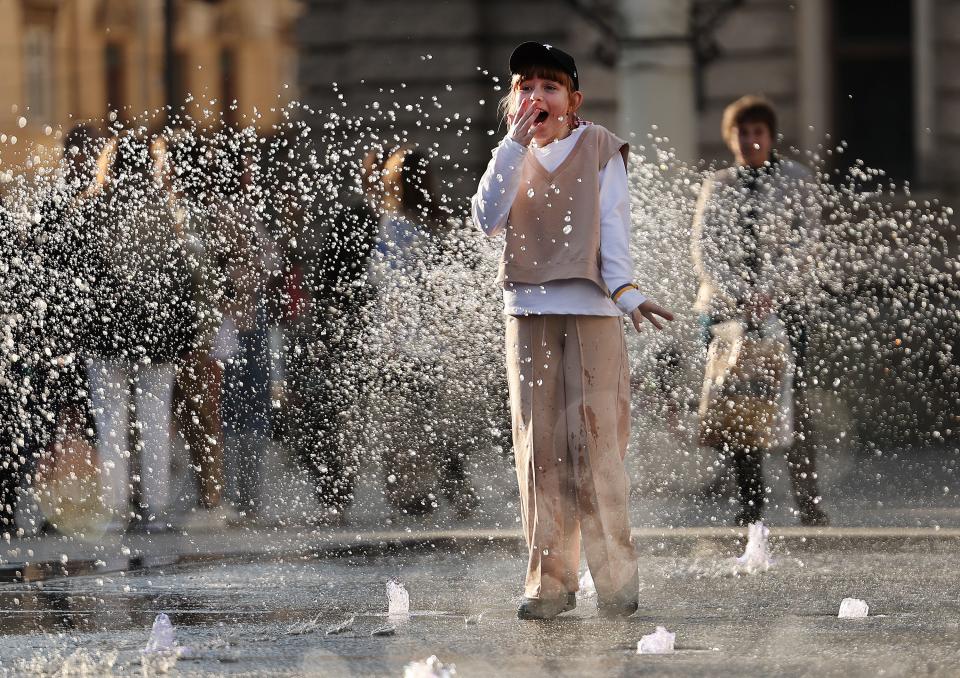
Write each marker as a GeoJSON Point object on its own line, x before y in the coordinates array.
{"type": "Point", "coordinates": [408, 186]}
{"type": "Point", "coordinates": [82, 137]}
{"type": "Point", "coordinates": [127, 164]}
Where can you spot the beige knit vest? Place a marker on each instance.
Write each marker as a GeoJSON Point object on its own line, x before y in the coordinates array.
{"type": "Point", "coordinates": [553, 229]}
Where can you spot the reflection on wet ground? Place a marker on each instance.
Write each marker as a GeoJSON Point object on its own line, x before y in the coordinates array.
{"type": "Point", "coordinates": [309, 616]}
{"type": "Point", "coordinates": [28, 571]}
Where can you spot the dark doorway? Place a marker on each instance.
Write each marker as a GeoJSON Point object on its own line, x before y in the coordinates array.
{"type": "Point", "coordinates": [116, 65]}
{"type": "Point", "coordinates": [873, 78]}
{"type": "Point", "coordinates": [228, 86]}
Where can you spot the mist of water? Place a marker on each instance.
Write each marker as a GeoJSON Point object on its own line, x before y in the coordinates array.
{"type": "Point", "coordinates": [417, 370]}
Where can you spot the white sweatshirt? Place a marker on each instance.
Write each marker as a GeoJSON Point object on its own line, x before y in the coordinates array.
{"type": "Point", "coordinates": [491, 207]}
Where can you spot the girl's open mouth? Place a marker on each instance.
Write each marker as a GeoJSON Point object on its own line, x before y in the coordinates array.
{"type": "Point", "coordinates": [541, 117]}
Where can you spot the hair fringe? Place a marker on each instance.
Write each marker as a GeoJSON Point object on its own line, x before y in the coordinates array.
{"type": "Point", "coordinates": [505, 106]}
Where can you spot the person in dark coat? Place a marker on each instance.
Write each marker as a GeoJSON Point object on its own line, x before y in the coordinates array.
{"type": "Point", "coordinates": [46, 312]}
{"type": "Point", "coordinates": [143, 313]}
{"type": "Point", "coordinates": [322, 385]}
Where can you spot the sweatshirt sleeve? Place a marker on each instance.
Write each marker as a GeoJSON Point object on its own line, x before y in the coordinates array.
{"type": "Point", "coordinates": [616, 264]}
{"type": "Point", "coordinates": [491, 204]}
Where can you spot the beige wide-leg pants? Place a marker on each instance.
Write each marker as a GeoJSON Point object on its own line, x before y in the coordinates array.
{"type": "Point", "coordinates": [570, 404]}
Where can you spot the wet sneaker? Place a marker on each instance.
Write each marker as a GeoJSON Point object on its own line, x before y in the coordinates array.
{"type": "Point", "coordinates": [545, 608]}
{"type": "Point", "coordinates": [47, 529]}
{"type": "Point", "coordinates": [117, 525]}
{"type": "Point", "coordinates": [618, 608]}
{"type": "Point", "coordinates": [149, 526]}
{"type": "Point", "coordinates": [624, 603]}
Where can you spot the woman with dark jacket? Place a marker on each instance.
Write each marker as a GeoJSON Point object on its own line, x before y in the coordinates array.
{"type": "Point", "coordinates": [426, 453]}
{"type": "Point", "coordinates": [43, 311]}
{"type": "Point", "coordinates": [141, 324]}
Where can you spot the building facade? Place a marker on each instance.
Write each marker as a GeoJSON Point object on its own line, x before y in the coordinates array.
{"type": "Point", "coordinates": [85, 60]}
{"type": "Point", "coordinates": [883, 75]}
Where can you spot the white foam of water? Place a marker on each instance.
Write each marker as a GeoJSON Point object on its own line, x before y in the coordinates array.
{"type": "Point", "coordinates": [80, 663]}
{"type": "Point", "coordinates": [756, 557]}
{"type": "Point", "coordinates": [659, 642]}
{"type": "Point", "coordinates": [587, 587]}
{"type": "Point", "coordinates": [304, 627]}
{"type": "Point", "coordinates": [431, 667]}
{"type": "Point", "coordinates": [342, 627]}
{"type": "Point", "coordinates": [161, 652]}
{"type": "Point", "coordinates": [162, 635]}
{"type": "Point", "coordinates": [853, 608]}
{"type": "Point", "coordinates": [398, 599]}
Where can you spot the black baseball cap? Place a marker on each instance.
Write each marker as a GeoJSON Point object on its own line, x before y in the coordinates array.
{"type": "Point", "coordinates": [541, 54]}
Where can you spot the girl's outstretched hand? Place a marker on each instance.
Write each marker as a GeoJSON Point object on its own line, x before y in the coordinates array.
{"type": "Point", "coordinates": [650, 311]}
{"type": "Point", "coordinates": [522, 127]}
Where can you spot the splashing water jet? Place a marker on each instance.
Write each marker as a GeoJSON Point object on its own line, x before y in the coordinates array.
{"type": "Point", "coordinates": [431, 667]}
{"type": "Point", "coordinates": [398, 600]}
{"type": "Point", "coordinates": [853, 608]}
{"type": "Point", "coordinates": [756, 556]}
{"type": "Point", "coordinates": [659, 642]}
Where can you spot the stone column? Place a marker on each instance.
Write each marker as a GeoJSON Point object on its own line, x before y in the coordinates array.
{"type": "Point", "coordinates": [814, 58]}
{"type": "Point", "coordinates": [655, 73]}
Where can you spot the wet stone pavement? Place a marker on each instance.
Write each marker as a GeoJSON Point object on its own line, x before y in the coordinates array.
{"type": "Point", "coordinates": [272, 617]}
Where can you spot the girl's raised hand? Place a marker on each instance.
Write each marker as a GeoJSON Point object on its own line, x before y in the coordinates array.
{"type": "Point", "coordinates": [522, 123]}
{"type": "Point", "coordinates": [650, 311]}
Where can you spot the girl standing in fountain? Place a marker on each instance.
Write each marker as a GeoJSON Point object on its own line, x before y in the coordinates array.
{"type": "Point", "coordinates": [558, 188]}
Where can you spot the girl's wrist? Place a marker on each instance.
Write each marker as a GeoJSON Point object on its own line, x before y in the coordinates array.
{"type": "Point", "coordinates": [627, 298]}
{"type": "Point", "coordinates": [515, 145]}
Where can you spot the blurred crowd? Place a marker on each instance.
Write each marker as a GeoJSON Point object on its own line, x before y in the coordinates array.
{"type": "Point", "coordinates": [152, 297]}
{"type": "Point", "coordinates": [172, 291]}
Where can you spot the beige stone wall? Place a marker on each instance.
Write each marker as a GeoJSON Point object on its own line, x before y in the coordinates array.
{"type": "Point", "coordinates": [758, 55]}
{"type": "Point", "coordinates": [364, 45]}
{"type": "Point", "coordinates": [261, 35]}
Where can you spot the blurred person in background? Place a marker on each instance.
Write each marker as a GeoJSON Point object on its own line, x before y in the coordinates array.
{"type": "Point", "coordinates": [142, 322]}
{"type": "Point", "coordinates": [12, 440]}
{"type": "Point", "coordinates": [47, 402]}
{"type": "Point", "coordinates": [428, 455]}
{"type": "Point", "coordinates": [65, 449]}
{"type": "Point", "coordinates": [754, 228]}
{"type": "Point", "coordinates": [199, 377]}
{"type": "Point", "coordinates": [322, 385]}
{"type": "Point", "coordinates": [243, 342]}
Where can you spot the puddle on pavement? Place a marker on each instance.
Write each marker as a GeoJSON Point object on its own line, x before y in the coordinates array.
{"type": "Point", "coordinates": [126, 593]}
{"type": "Point", "coordinates": [113, 595]}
